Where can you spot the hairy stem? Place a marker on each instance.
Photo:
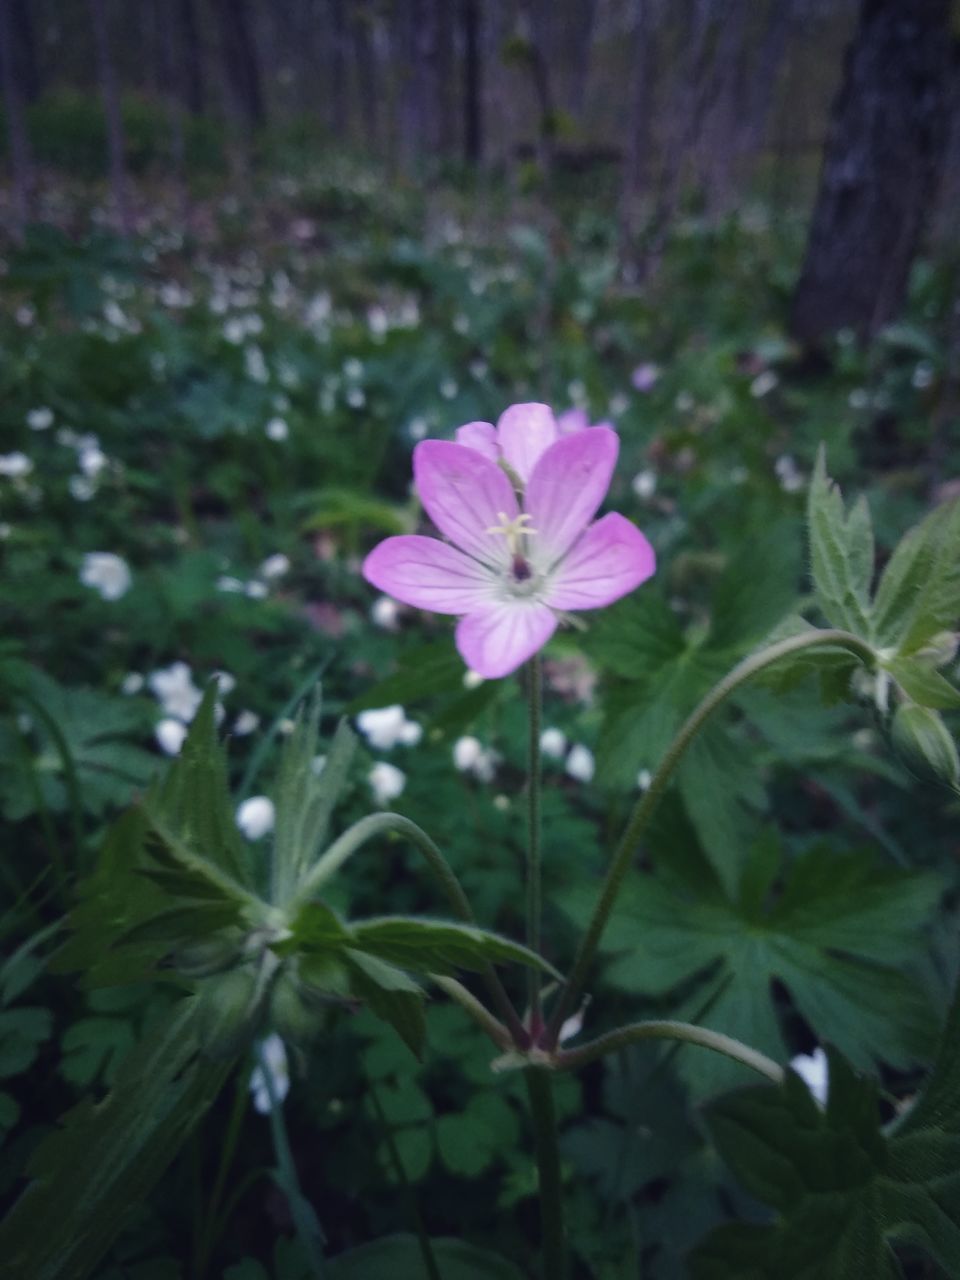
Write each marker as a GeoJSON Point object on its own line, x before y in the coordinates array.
{"type": "Point", "coordinates": [553, 1242]}
{"type": "Point", "coordinates": [643, 811]}
{"type": "Point", "coordinates": [534, 870]}
{"type": "Point", "coordinates": [573, 1059]}
{"type": "Point", "coordinates": [378, 824]}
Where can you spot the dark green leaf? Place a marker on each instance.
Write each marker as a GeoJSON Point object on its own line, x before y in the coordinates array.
{"type": "Point", "coordinates": [439, 946]}
{"type": "Point", "coordinates": [391, 995]}
{"type": "Point", "coordinates": [400, 1258]}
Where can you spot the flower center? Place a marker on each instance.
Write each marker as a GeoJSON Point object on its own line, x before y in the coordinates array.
{"type": "Point", "coordinates": [515, 531]}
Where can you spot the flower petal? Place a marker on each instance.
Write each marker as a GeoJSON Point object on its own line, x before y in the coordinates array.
{"type": "Point", "coordinates": [496, 640]}
{"type": "Point", "coordinates": [568, 484]}
{"type": "Point", "coordinates": [465, 495]}
{"type": "Point", "coordinates": [612, 558]}
{"type": "Point", "coordinates": [525, 431]}
{"type": "Point", "coordinates": [481, 436]}
{"type": "Point", "coordinates": [428, 574]}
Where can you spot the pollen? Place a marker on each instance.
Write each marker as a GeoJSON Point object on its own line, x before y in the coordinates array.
{"type": "Point", "coordinates": [514, 530]}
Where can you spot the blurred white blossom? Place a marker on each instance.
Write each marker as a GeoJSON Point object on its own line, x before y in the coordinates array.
{"type": "Point", "coordinates": [107, 573]}
{"type": "Point", "coordinates": [580, 763]}
{"type": "Point", "coordinates": [386, 781]}
{"type": "Point", "coordinates": [553, 743]}
{"type": "Point", "coordinates": [386, 727]}
{"type": "Point", "coordinates": [255, 817]}
{"type": "Point", "coordinates": [273, 1058]}
{"type": "Point", "coordinates": [813, 1070]}
{"type": "Point", "coordinates": [170, 735]}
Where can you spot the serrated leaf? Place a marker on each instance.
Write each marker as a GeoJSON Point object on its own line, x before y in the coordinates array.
{"type": "Point", "coordinates": [191, 812]}
{"type": "Point", "coordinates": [471, 1140]}
{"type": "Point", "coordinates": [304, 799]}
{"type": "Point", "coordinates": [389, 994]}
{"type": "Point", "coordinates": [843, 1187]}
{"type": "Point", "coordinates": [924, 685]}
{"type": "Point", "coordinates": [828, 938]}
{"type": "Point", "coordinates": [919, 592]}
{"type": "Point", "coordinates": [841, 552]}
{"type": "Point", "coordinates": [440, 946]}
{"type": "Point", "coordinates": [107, 1156]}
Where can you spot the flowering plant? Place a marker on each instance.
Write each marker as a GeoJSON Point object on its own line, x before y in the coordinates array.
{"type": "Point", "coordinates": [261, 946]}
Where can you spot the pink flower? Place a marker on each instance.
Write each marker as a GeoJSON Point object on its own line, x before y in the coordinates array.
{"type": "Point", "coordinates": [577, 420]}
{"type": "Point", "coordinates": [519, 556]}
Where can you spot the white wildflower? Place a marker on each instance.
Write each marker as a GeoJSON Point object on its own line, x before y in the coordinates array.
{"type": "Point", "coordinates": [644, 483]}
{"type": "Point", "coordinates": [813, 1070]}
{"type": "Point", "coordinates": [553, 743]}
{"type": "Point", "coordinates": [275, 566]}
{"type": "Point", "coordinates": [385, 727]}
{"type": "Point", "coordinates": [170, 735]}
{"type": "Point", "coordinates": [385, 613]}
{"type": "Point", "coordinates": [763, 384]}
{"type": "Point", "coordinates": [277, 429]}
{"type": "Point", "coordinates": [132, 682]}
{"type": "Point", "coordinates": [256, 816]}
{"type": "Point", "coordinates": [386, 782]}
{"type": "Point", "coordinates": [15, 465]}
{"type": "Point", "coordinates": [40, 419]}
{"type": "Point", "coordinates": [580, 763]}
{"type": "Point", "coordinates": [273, 1057]}
{"type": "Point", "coordinates": [174, 689]}
{"type": "Point", "coordinates": [106, 573]}
{"type": "Point", "coordinates": [246, 722]}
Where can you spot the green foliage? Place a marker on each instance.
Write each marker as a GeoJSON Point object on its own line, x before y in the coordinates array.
{"type": "Point", "coordinates": [109, 1154]}
{"type": "Point", "coordinates": [844, 1188]}
{"type": "Point", "coordinates": [826, 925]}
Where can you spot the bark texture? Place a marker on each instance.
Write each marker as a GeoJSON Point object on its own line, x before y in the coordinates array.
{"type": "Point", "coordinates": [882, 164]}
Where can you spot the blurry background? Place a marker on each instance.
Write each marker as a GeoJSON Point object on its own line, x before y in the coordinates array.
{"type": "Point", "coordinates": [251, 253]}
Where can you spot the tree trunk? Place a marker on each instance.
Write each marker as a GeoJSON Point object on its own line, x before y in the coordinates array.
{"type": "Point", "coordinates": [191, 58]}
{"type": "Point", "coordinates": [881, 168]}
{"type": "Point", "coordinates": [472, 84]}
{"type": "Point", "coordinates": [22, 35]}
{"type": "Point", "coordinates": [241, 66]}
{"type": "Point", "coordinates": [113, 112]}
{"type": "Point", "coordinates": [20, 159]}
{"type": "Point", "coordinates": [368, 79]}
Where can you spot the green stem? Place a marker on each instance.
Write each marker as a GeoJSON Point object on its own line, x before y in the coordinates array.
{"type": "Point", "coordinates": [304, 1218]}
{"type": "Point", "coordinates": [534, 870]}
{"type": "Point", "coordinates": [553, 1243]}
{"type": "Point", "coordinates": [377, 824]}
{"type": "Point", "coordinates": [643, 811]}
{"type": "Point", "coordinates": [573, 1059]}
{"type": "Point", "coordinates": [481, 1015]}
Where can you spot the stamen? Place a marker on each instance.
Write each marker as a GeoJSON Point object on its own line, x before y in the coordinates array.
{"type": "Point", "coordinates": [514, 530]}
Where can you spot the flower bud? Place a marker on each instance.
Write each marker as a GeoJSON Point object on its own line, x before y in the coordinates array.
{"type": "Point", "coordinates": [922, 736]}
{"type": "Point", "coordinates": [229, 1009]}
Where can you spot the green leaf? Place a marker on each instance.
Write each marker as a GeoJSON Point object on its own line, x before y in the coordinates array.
{"type": "Point", "coordinates": [919, 592]}
{"type": "Point", "coordinates": [304, 800]}
{"type": "Point", "coordinates": [827, 937]}
{"type": "Point", "coordinates": [87, 744]}
{"type": "Point", "coordinates": [191, 814]}
{"type": "Point", "coordinates": [391, 995]}
{"type": "Point", "coordinates": [471, 1140]}
{"type": "Point", "coordinates": [107, 1156]}
{"type": "Point", "coordinates": [843, 1188]}
{"type": "Point", "coordinates": [424, 670]}
{"type": "Point", "coordinates": [841, 552]}
{"type": "Point", "coordinates": [400, 1258]}
{"type": "Point", "coordinates": [920, 682]}
{"type": "Point", "coordinates": [22, 1032]}
{"type": "Point", "coordinates": [437, 946]}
